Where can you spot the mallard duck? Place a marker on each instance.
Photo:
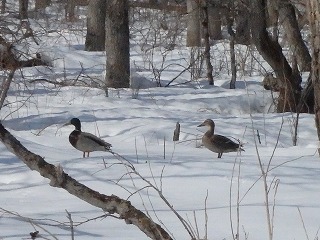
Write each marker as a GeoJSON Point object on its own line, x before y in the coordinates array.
{"type": "Point", "coordinates": [85, 142]}
{"type": "Point", "coordinates": [218, 143]}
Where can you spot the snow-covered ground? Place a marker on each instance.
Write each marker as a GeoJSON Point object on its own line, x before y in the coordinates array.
{"type": "Point", "coordinates": [139, 124]}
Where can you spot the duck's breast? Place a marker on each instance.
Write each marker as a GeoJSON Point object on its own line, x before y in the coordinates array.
{"type": "Point", "coordinates": [211, 144]}
{"type": "Point", "coordinates": [74, 137]}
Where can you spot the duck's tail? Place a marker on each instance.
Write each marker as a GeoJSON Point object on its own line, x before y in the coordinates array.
{"type": "Point", "coordinates": [107, 146]}
{"type": "Point", "coordinates": [241, 147]}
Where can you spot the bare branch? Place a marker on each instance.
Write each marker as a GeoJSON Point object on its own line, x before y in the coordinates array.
{"type": "Point", "coordinates": [6, 86]}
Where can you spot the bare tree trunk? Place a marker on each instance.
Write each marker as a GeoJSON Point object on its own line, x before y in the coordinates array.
{"type": "Point", "coordinates": [289, 21]}
{"type": "Point", "coordinates": [70, 7]}
{"type": "Point", "coordinates": [271, 51]}
{"type": "Point", "coordinates": [23, 9]}
{"type": "Point", "coordinates": [40, 8]}
{"type": "Point", "coordinates": [176, 132]}
{"type": "Point", "coordinates": [272, 13]}
{"type": "Point", "coordinates": [314, 20]}
{"type": "Point", "coordinates": [41, 4]}
{"type": "Point", "coordinates": [307, 100]}
{"type": "Point", "coordinates": [233, 63]}
{"type": "Point", "coordinates": [58, 178]}
{"type": "Point", "coordinates": [3, 6]}
{"type": "Point", "coordinates": [193, 25]}
{"type": "Point", "coordinates": [5, 87]}
{"type": "Point", "coordinates": [207, 41]}
{"type": "Point", "coordinates": [70, 14]}
{"type": "Point", "coordinates": [117, 44]}
{"type": "Point", "coordinates": [232, 54]}
{"type": "Point", "coordinates": [214, 20]}
{"type": "Point", "coordinates": [96, 33]}
{"type": "Point", "coordinates": [242, 18]}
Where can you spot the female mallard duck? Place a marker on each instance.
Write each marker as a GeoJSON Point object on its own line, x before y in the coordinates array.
{"type": "Point", "coordinates": [218, 143]}
{"type": "Point", "coordinates": [85, 142]}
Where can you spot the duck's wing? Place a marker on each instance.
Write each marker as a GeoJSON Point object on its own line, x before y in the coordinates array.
{"type": "Point", "coordinates": [225, 142]}
{"type": "Point", "coordinates": [96, 140]}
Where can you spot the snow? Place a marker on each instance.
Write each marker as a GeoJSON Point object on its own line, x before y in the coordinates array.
{"type": "Point", "coordinates": [138, 126]}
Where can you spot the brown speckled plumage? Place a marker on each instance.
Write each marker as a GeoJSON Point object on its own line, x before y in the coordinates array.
{"type": "Point", "coordinates": [218, 143]}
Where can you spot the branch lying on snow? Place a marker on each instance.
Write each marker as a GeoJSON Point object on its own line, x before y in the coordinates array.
{"type": "Point", "coordinates": [58, 178]}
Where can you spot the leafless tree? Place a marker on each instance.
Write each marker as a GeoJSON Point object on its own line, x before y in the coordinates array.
{"type": "Point", "coordinates": [3, 6]}
{"type": "Point", "coordinates": [240, 13]}
{"type": "Point", "coordinates": [41, 4]}
{"type": "Point", "coordinates": [95, 38]}
{"type": "Point", "coordinates": [69, 10]}
{"type": "Point", "coordinates": [271, 51]}
{"type": "Point", "coordinates": [193, 27]}
{"type": "Point", "coordinates": [23, 9]}
{"type": "Point", "coordinates": [288, 20]}
{"type": "Point", "coordinates": [117, 44]}
{"type": "Point", "coordinates": [230, 19]}
{"type": "Point", "coordinates": [314, 20]}
{"type": "Point", "coordinates": [206, 36]}
{"type": "Point", "coordinates": [214, 19]}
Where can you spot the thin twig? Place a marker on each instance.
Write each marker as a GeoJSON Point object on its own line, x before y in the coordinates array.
{"type": "Point", "coordinates": [6, 86]}
{"type": "Point", "coordinates": [264, 178]}
{"type": "Point", "coordinates": [71, 224]}
{"type": "Point", "coordinates": [136, 149]}
{"type": "Point", "coordinates": [206, 216]}
{"type": "Point", "coordinates": [304, 226]}
{"type": "Point", "coordinates": [196, 224]}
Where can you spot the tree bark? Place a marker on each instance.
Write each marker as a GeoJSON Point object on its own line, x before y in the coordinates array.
{"type": "Point", "coordinates": [3, 6]}
{"type": "Point", "coordinates": [58, 178]}
{"type": "Point", "coordinates": [289, 21]}
{"type": "Point", "coordinates": [96, 33]}
{"type": "Point", "coordinates": [69, 10]}
{"type": "Point", "coordinates": [117, 44]}
{"type": "Point", "coordinates": [23, 9]}
{"type": "Point", "coordinates": [193, 24]}
{"type": "Point", "coordinates": [207, 56]}
{"type": "Point", "coordinates": [271, 51]}
{"type": "Point", "coordinates": [242, 19]}
{"type": "Point", "coordinates": [272, 12]}
{"type": "Point", "coordinates": [41, 4]}
{"type": "Point", "coordinates": [232, 54]}
{"type": "Point", "coordinates": [176, 132]}
{"type": "Point", "coordinates": [214, 20]}
{"type": "Point", "coordinates": [314, 21]}
{"type": "Point", "coordinates": [5, 87]}
{"type": "Point", "coordinates": [306, 104]}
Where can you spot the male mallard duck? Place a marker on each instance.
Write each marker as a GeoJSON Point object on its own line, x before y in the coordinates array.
{"type": "Point", "coordinates": [85, 142]}
{"type": "Point", "coordinates": [218, 143]}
